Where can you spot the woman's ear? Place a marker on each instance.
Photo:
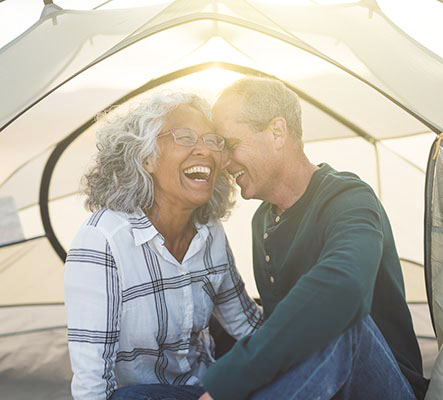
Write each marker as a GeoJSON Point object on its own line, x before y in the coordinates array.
{"type": "Point", "coordinates": [149, 166]}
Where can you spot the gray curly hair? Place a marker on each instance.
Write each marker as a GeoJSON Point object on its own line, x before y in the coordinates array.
{"type": "Point", "coordinates": [119, 180]}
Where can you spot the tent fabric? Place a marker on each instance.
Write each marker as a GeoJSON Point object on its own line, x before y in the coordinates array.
{"type": "Point", "coordinates": [434, 258]}
{"type": "Point", "coordinates": [434, 237]}
{"type": "Point", "coordinates": [60, 44]}
{"type": "Point", "coordinates": [356, 36]}
{"type": "Point", "coordinates": [31, 273]}
{"type": "Point", "coordinates": [366, 108]}
{"type": "Point", "coordinates": [34, 351]}
{"type": "Point", "coordinates": [434, 389]}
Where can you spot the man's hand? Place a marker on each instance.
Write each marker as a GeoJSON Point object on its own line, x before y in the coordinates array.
{"type": "Point", "coordinates": [205, 396]}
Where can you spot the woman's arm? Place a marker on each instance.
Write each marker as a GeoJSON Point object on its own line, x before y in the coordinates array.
{"type": "Point", "coordinates": [93, 305]}
{"type": "Point", "coordinates": [234, 309]}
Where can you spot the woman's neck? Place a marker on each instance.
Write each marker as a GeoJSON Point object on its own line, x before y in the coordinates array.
{"type": "Point", "coordinates": [176, 228]}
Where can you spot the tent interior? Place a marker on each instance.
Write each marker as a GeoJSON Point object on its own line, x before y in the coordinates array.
{"type": "Point", "coordinates": [368, 104]}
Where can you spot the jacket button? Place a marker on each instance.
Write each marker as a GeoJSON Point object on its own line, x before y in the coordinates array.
{"type": "Point", "coordinates": [277, 218]}
{"type": "Point", "coordinates": [271, 279]}
{"type": "Point", "coordinates": [265, 236]}
{"type": "Point", "coordinates": [267, 258]}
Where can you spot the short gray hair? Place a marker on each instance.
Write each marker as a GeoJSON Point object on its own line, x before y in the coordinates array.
{"type": "Point", "coordinates": [119, 180]}
{"type": "Point", "coordinates": [265, 99]}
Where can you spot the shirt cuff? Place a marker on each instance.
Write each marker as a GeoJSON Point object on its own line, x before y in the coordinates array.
{"type": "Point", "coordinates": [231, 377]}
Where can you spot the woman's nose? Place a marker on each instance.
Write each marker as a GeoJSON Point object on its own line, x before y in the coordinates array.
{"type": "Point", "coordinates": [200, 147]}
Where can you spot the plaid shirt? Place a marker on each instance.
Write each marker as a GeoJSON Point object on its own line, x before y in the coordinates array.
{"type": "Point", "coordinates": [136, 315]}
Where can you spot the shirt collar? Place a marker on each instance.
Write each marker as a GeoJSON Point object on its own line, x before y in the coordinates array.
{"type": "Point", "coordinates": [202, 230]}
{"type": "Point", "coordinates": [142, 228]}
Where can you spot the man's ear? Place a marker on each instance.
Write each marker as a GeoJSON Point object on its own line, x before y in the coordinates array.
{"type": "Point", "coordinates": [279, 131]}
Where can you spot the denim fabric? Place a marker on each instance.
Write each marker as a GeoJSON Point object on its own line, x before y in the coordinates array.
{"type": "Point", "coordinates": [359, 365]}
{"type": "Point", "coordinates": [158, 392]}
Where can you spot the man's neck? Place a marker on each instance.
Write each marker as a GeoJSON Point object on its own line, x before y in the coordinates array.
{"type": "Point", "coordinates": [293, 181]}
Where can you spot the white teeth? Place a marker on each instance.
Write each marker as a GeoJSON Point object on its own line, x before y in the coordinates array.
{"type": "Point", "coordinates": [238, 173]}
{"type": "Point", "coordinates": [198, 169]}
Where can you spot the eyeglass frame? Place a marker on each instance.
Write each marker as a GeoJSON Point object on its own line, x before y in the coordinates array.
{"type": "Point", "coordinates": [197, 138]}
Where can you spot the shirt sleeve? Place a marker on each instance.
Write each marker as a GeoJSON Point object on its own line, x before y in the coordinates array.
{"type": "Point", "coordinates": [234, 309]}
{"type": "Point", "coordinates": [93, 306]}
{"type": "Point", "coordinates": [325, 302]}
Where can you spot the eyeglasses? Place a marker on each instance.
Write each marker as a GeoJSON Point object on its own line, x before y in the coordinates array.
{"type": "Point", "coordinates": [188, 137]}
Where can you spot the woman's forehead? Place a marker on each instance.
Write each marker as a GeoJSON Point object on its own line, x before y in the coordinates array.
{"type": "Point", "coordinates": [184, 116]}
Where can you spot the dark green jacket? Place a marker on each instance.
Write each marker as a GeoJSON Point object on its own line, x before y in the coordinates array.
{"type": "Point", "coordinates": [327, 263]}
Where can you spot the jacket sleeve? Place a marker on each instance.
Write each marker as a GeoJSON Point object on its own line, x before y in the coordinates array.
{"type": "Point", "coordinates": [93, 305]}
{"type": "Point", "coordinates": [326, 301]}
{"type": "Point", "coordinates": [234, 309]}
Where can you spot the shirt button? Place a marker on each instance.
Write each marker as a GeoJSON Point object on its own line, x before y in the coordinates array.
{"type": "Point", "coordinates": [271, 279]}
{"type": "Point", "coordinates": [277, 218]}
{"type": "Point", "coordinates": [267, 258]}
{"type": "Point", "coordinates": [265, 236]}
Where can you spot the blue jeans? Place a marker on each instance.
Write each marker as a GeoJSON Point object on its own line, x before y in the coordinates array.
{"type": "Point", "coordinates": [357, 365]}
{"type": "Point", "coordinates": [158, 392]}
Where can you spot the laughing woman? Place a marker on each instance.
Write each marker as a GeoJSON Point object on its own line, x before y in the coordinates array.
{"type": "Point", "coordinates": [149, 268]}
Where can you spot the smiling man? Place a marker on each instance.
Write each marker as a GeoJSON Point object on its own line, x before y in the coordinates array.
{"type": "Point", "coordinates": [326, 267]}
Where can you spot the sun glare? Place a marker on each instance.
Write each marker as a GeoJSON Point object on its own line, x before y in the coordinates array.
{"type": "Point", "coordinates": [208, 83]}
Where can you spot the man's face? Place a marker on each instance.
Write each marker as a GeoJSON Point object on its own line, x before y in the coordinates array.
{"type": "Point", "coordinates": [250, 153]}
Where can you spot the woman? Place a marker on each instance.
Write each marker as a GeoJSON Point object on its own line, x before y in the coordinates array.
{"type": "Point", "coordinates": [152, 264]}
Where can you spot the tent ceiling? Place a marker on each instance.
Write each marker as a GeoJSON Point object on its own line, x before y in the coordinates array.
{"type": "Point", "coordinates": [350, 35]}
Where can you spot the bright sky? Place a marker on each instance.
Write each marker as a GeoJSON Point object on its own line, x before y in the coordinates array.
{"type": "Point", "coordinates": [421, 19]}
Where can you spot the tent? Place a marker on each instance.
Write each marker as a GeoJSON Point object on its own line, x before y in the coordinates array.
{"type": "Point", "coordinates": [369, 99]}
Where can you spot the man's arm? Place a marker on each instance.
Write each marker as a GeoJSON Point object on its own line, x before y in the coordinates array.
{"type": "Point", "coordinates": [325, 302]}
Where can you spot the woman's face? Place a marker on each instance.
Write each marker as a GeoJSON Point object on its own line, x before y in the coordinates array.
{"type": "Point", "coordinates": [176, 181]}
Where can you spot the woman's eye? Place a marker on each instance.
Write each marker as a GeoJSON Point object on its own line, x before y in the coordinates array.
{"type": "Point", "coordinates": [185, 139]}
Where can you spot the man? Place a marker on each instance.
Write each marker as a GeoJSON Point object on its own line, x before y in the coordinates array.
{"type": "Point", "coordinates": [325, 264]}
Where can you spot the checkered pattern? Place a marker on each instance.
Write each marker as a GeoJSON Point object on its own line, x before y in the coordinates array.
{"type": "Point", "coordinates": [136, 315]}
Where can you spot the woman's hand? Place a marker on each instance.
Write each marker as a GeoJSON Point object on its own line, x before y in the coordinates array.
{"type": "Point", "coordinates": [205, 396]}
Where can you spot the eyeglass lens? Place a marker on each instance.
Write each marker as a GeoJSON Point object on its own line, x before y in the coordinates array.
{"type": "Point", "coordinates": [188, 137]}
